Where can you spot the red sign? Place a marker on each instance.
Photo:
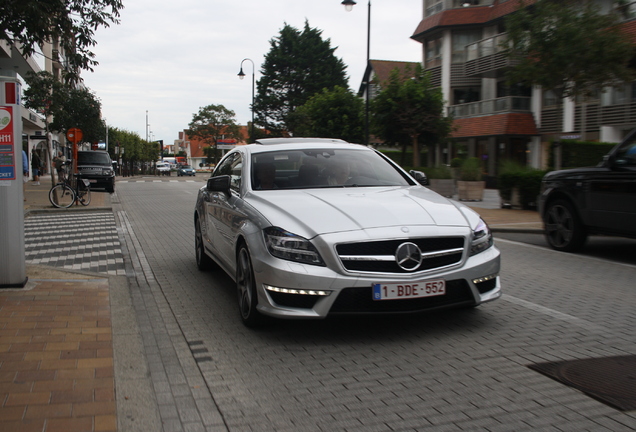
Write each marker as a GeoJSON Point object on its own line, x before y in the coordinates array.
{"type": "Point", "coordinates": [74, 135]}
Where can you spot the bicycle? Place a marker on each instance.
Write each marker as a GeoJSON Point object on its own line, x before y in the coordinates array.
{"type": "Point", "coordinates": [65, 193]}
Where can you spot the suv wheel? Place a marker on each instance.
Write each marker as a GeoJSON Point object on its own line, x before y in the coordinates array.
{"type": "Point", "coordinates": [564, 230]}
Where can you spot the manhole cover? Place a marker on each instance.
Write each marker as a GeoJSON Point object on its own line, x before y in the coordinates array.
{"type": "Point", "coordinates": [611, 380]}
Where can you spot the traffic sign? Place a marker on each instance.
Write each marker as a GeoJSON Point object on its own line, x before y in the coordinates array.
{"type": "Point", "coordinates": [74, 135]}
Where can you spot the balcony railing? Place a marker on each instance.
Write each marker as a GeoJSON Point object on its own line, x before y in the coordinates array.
{"type": "Point", "coordinates": [454, 4]}
{"type": "Point", "coordinates": [501, 105]}
{"type": "Point", "coordinates": [485, 47]}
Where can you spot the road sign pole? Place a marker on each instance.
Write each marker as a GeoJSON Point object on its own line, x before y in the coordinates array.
{"type": "Point", "coordinates": [12, 258]}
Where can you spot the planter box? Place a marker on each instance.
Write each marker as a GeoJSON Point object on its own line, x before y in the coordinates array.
{"type": "Point", "coordinates": [444, 187]}
{"type": "Point", "coordinates": [471, 190]}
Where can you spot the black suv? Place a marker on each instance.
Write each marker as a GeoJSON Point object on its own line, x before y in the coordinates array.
{"type": "Point", "coordinates": [596, 200]}
{"type": "Point", "coordinates": [97, 167]}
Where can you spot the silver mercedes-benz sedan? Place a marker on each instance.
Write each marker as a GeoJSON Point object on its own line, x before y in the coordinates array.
{"type": "Point", "coordinates": [314, 227]}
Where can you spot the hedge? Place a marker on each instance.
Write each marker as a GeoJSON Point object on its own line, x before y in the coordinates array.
{"type": "Point", "coordinates": [575, 154]}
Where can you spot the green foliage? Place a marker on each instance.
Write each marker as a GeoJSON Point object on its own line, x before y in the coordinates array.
{"type": "Point", "coordinates": [575, 154]}
{"type": "Point", "coordinates": [69, 106]}
{"type": "Point", "coordinates": [44, 94]}
{"type": "Point", "coordinates": [298, 65]}
{"type": "Point", "coordinates": [525, 179]}
{"type": "Point", "coordinates": [409, 109]}
{"type": "Point", "coordinates": [470, 170]}
{"type": "Point", "coordinates": [335, 113]}
{"type": "Point", "coordinates": [211, 123]}
{"type": "Point", "coordinates": [566, 47]}
{"type": "Point", "coordinates": [82, 110]}
{"type": "Point", "coordinates": [32, 23]}
{"type": "Point", "coordinates": [134, 148]}
{"type": "Point", "coordinates": [439, 172]}
{"type": "Point", "coordinates": [456, 162]}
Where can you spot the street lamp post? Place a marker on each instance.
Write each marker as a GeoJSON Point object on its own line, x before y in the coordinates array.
{"type": "Point", "coordinates": [348, 4]}
{"type": "Point", "coordinates": [241, 75]}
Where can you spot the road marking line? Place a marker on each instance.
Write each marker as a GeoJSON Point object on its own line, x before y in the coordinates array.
{"type": "Point", "coordinates": [605, 261]}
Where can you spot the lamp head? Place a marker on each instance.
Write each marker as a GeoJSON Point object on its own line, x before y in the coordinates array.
{"type": "Point", "coordinates": [241, 75]}
{"type": "Point", "coordinates": [348, 4]}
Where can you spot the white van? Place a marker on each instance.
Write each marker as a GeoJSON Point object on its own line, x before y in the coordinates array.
{"type": "Point", "coordinates": [163, 168]}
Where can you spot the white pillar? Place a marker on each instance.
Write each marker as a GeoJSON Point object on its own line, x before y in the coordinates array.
{"type": "Point", "coordinates": [12, 259]}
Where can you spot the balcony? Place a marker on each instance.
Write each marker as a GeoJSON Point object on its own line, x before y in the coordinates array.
{"type": "Point", "coordinates": [503, 105]}
{"type": "Point", "coordinates": [486, 58]}
{"type": "Point", "coordinates": [437, 7]}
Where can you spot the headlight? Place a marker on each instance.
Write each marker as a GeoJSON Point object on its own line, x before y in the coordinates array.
{"type": "Point", "coordinates": [291, 247]}
{"type": "Point", "coordinates": [482, 238]}
{"type": "Point", "coordinates": [107, 172]}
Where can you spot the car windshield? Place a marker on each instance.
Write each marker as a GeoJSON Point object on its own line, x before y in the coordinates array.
{"type": "Point", "coordinates": [86, 158]}
{"type": "Point", "coordinates": [186, 167]}
{"type": "Point", "coordinates": [322, 168]}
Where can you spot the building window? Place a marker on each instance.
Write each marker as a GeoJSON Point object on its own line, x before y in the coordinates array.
{"type": "Point", "coordinates": [620, 95]}
{"type": "Point", "coordinates": [549, 99]}
{"type": "Point", "coordinates": [465, 95]}
{"type": "Point", "coordinates": [461, 39]}
{"type": "Point", "coordinates": [433, 52]}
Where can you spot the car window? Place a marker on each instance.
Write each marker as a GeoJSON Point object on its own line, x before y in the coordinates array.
{"type": "Point", "coordinates": [626, 154]}
{"type": "Point", "coordinates": [85, 158]}
{"type": "Point", "coordinates": [319, 168]}
{"type": "Point", "coordinates": [232, 165]}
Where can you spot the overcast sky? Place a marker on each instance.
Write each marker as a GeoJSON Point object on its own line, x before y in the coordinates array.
{"type": "Point", "coordinates": [170, 58]}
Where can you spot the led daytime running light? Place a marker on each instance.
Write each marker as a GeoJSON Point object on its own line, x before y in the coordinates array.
{"type": "Point", "coordinates": [485, 278]}
{"type": "Point", "coordinates": [297, 291]}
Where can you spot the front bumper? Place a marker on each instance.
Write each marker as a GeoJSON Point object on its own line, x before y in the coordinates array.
{"type": "Point", "coordinates": [292, 290]}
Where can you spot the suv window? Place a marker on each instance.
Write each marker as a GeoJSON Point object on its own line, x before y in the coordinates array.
{"type": "Point", "coordinates": [93, 158]}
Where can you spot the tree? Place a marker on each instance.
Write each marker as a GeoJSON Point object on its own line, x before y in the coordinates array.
{"type": "Point", "coordinates": [409, 109]}
{"type": "Point", "coordinates": [297, 66]}
{"type": "Point", "coordinates": [45, 95]}
{"type": "Point", "coordinates": [64, 106]}
{"type": "Point", "coordinates": [211, 123]}
{"type": "Point", "coordinates": [335, 113]}
{"type": "Point", "coordinates": [72, 22]}
{"type": "Point", "coordinates": [568, 47]}
{"type": "Point", "coordinates": [137, 152]}
{"type": "Point", "coordinates": [80, 109]}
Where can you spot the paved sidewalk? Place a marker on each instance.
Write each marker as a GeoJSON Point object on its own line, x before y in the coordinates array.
{"type": "Point", "coordinates": [58, 368]}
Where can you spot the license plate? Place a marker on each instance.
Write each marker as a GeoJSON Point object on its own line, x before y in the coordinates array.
{"type": "Point", "coordinates": [93, 181]}
{"type": "Point", "coordinates": [395, 291]}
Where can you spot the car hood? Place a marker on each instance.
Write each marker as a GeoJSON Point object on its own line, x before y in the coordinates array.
{"type": "Point", "coordinates": [312, 212]}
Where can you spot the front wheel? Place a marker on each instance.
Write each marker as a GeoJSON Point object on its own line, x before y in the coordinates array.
{"type": "Point", "coordinates": [246, 289]}
{"type": "Point", "coordinates": [564, 231]}
{"type": "Point", "coordinates": [204, 262]}
{"type": "Point", "coordinates": [61, 196]}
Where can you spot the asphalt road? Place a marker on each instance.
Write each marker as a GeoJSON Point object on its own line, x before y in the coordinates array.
{"type": "Point", "coordinates": [456, 370]}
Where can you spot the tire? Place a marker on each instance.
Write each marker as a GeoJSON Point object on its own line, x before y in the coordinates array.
{"type": "Point", "coordinates": [564, 230]}
{"type": "Point", "coordinates": [84, 195]}
{"type": "Point", "coordinates": [61, 196]}
{"type": "Point", "coordinates": [204, 262]}
{"type": "Point", "coordinates": [246, 290]}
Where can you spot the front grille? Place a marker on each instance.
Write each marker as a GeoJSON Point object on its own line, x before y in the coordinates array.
{"type": "Point", "coordinates": [360, 300]}
{"type": "Point", "coordinates": [379, 256]}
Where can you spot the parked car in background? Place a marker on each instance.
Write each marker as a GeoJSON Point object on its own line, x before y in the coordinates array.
{"type": "Point", "coordinates": [163, 168]}
{"type": "Point", "coordinates": [185, 170]}
{"type": "Point", "coordinates": [309, 228]}
{"type": "Point", "coordinates": [97, 167]}
{"type": "Point", "coordinates": [575, 203]}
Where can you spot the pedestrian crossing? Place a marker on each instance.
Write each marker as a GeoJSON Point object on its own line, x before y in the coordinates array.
{"type": "Point", "coordinates": [86, 241]}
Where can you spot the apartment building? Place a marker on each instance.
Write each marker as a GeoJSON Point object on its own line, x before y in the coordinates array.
{"type": "Point", "coordinates": [461, 50]}
{"type": "Point", "coordinates": [14, 64]}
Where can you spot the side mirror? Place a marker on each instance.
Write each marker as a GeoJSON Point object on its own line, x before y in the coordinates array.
{"type": "Point", "coordinates": [420, 177]}
{"type": "Point", "coordinates": [220, 184]}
